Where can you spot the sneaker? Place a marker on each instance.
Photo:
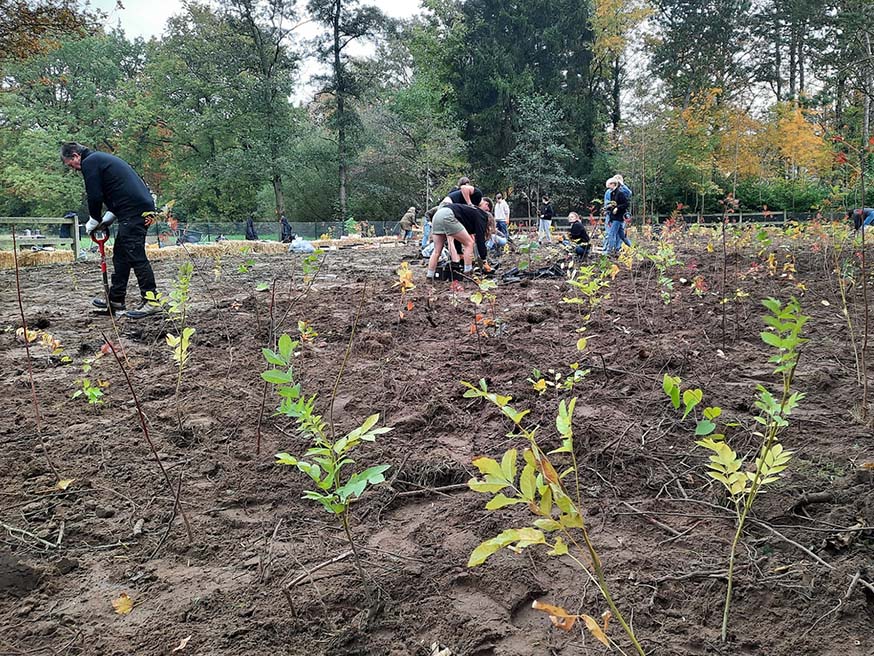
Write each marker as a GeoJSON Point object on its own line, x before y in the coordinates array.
{"type": "Point", "coordinates": [99, 303]}
{"type": "Point", "coordinates": [144, 310]}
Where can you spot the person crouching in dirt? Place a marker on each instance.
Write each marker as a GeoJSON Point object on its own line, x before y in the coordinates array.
{"type": "Point", "coordinates": [111, 181]}
{"type": "Point", "coordinates": [496, 241]}
{"type": "Point", "coordinates": [466, 224]}
{"type": "Point", "coordinates": [579, 237]}
{"type": "Point", "coordinates": [407, 223]}
{"type": "Point", "coordinates": [863, 216]}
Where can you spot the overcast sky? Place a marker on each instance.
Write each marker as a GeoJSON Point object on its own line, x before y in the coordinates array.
{"type": "Point", "coordinates": [147, 18]}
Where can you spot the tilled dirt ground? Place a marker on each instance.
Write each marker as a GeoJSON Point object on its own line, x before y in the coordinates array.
{"type": "Point", "coordinates": [663, 528]}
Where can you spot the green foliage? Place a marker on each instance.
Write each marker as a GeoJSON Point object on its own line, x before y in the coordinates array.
{"type": "Point", "coordinates": [537, 163]}
{"type": "Point", "coordinates": [540, 489]}
{"type": "Point", "coordinates": [664, 259]}
{"type": "Point", "coordinates": [175, 308]}
{"type": "Point", "coordinates": [326, 461]}
{"type": "Point", "coordinates": [93, 394]}
{"type": "Point", "coordinates": [725, 466]}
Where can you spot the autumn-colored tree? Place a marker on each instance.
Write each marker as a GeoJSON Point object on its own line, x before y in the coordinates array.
{"type": "Point", "coordinates": [28, 27]}
{"type": "Point", "coordinates": [612, 21]}
{"type": "Point", "coordinates": [801, 145]}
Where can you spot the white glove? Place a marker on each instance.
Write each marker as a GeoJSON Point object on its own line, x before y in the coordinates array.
{"type": "Point", "coordinates": [108, 219]}
{"type": "Point", "coordinates": [91, 225]}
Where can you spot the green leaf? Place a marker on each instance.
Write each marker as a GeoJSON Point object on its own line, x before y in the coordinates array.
{"type": "Point", "coordinates": [705, 427]}
{"type": "Point", "coordinates": [479, 555]}
{"type": "Point", "coordinates": [528, 482]}
{"type": "Point", "coordinates": [712, 412]}
{"type": "Point", "coordinates": [508, 465]}
{"type": "Point", "coordinates": [488, 488]}
{"type": "Point", "coordinates": [772, 339]}
{"type": "Point", "coordinates": [691, 398]}
{"type": "Point", "coordinates": [277, 376]}
{"type": "Point", "coordinates": [489, 467]}
{"type": "Point", "coordinates": [559, 549]}
{"type": "Point", "coordinates": [287, 346]}
{"type": "Point", "coordinates": [547, 524]}
{"type": "Point", "coordinates": [273, 358]}
{"type": "Point", "coordinates": [476, 298]}
{"type": "Point", "coordinates": [285, 459]}
{"type": "Point", "coordinates": [501, 501]}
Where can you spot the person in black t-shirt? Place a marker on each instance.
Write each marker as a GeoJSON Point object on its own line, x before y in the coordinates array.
{"type": "Point", "coordinates": [464, 223]}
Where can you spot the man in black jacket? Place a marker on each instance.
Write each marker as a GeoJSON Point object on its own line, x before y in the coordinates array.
{"type": "Point", "coordinates": [111, 181]}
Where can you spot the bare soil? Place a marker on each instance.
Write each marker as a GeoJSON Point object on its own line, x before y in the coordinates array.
{"type": "Point", "coordinates": [65, 555]}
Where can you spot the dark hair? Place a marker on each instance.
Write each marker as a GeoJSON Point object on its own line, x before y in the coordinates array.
{"type": "Point", "coordinates": [70, 148]}
{"type": "Point", "coordinates": [463, 180]}
{"type": "Point", "coordinates": [490, 203]}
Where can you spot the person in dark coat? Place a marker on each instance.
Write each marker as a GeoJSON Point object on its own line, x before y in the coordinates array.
{"type": "Point", "coordinates": [545, 223]}
{"type": "Point", "coordinates": [285, 230]}
{"type": "Point", "coordinates": [251, 235]}
{"type": "Point", "coordinates": [111, 182]}
{"type": "Point", "coordinates": [578, 236]}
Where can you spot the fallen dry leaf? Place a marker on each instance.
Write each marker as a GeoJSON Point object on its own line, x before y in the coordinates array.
{"type": "Point", "coordinates": [559, 617]}
{"type": "Point", "coordinates": [124, 604]}
{"type": "Point", "coordinates": [867, 465]}
{"type": "Point", "coordinates": [64, 483]}
{"type": "Point", "coordinates": [595, 630]}
{"type": "Point", "coordinates": [182, 644]}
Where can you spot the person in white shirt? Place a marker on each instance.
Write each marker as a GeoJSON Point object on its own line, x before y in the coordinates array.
{"type": "Point", "coordinates": [502, 215]}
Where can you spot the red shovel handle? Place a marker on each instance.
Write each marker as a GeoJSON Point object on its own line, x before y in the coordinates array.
{"type": "Point", "coordinates": [99, 237]}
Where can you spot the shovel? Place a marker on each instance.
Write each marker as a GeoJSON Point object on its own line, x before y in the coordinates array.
{"type": "Point", "coordinates": [99, 236]}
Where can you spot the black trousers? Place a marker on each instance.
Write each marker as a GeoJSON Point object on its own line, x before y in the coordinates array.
{"type": "Point", "coordinates": [129, 252]}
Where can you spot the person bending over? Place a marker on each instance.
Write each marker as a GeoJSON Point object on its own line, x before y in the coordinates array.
{"type": "Point", "coordinates": [466, 224]}
{"type": "Point", "coordinates": [111, 181]}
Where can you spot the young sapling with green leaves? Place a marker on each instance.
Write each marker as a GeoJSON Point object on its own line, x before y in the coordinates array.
{"type": "Point", "coordinates": [542, 490]}
{"type": "Point", "coordinates": [328, 462]}
{"type": "Point", "coordinates": [744, 481]}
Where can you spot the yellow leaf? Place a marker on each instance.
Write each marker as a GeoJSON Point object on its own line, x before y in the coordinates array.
{"type": "Point", "coordinates": [63, 484]}
{"type": "Point", "coordinates": [595, 630]}
{"type": "Point", "coordinates": [124, 604]}
{"type": "Point", "coordinates": [540, 385]}
{"type": "Point", "coordinates": [613, 271]}
{"type": "Point", "coordinates": [182, 645]}
{"type": "Point", "coordinates": [867, 465]}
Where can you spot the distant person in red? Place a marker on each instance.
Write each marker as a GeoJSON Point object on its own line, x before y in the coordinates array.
{"type": "Point", "coordinates": [111, 182]}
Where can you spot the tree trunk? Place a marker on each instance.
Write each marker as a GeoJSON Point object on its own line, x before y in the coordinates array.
{"type": "Point", "coordinates": [616, 114]}
{"type": "Point", "coordinates": [778, 57]}
{"type": "Point", "coordinates": [340, 90]}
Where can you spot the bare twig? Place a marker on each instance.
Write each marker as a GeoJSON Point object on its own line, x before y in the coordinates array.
{"type": "Point", "coordinates": [15, 530]}
{"type": "Point", "coordinates": [145, 428]}
{"type": "Point", "coordinates": [33, 395]}
{"type": "Point", "coordinates": [172, 517]}
{"type": "Point", "coordinates": [653, 520]}
{"type": "Point", "coordinates": [306, 574]}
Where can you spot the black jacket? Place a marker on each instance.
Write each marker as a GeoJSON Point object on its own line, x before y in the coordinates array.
{"type": "Point", "coordinates": [546, 211]}
{"type": "Point", "coordinates": [111, 181]}
{"type": "Point", "coordinates": [621, 200]}
{"type": "Point", "coordinates": [475, 222]}
{"type": "Point", "coordinates": [475, 196]}
{"type": "Point", "coordinates": [578, 233]}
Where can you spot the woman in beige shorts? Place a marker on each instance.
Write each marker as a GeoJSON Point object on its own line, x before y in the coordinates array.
{"type": "Point", "coordinates": [466, 224]}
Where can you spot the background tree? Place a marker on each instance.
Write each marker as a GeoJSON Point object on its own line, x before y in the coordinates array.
{"type": "Point", "coordinates": [345, 22]}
